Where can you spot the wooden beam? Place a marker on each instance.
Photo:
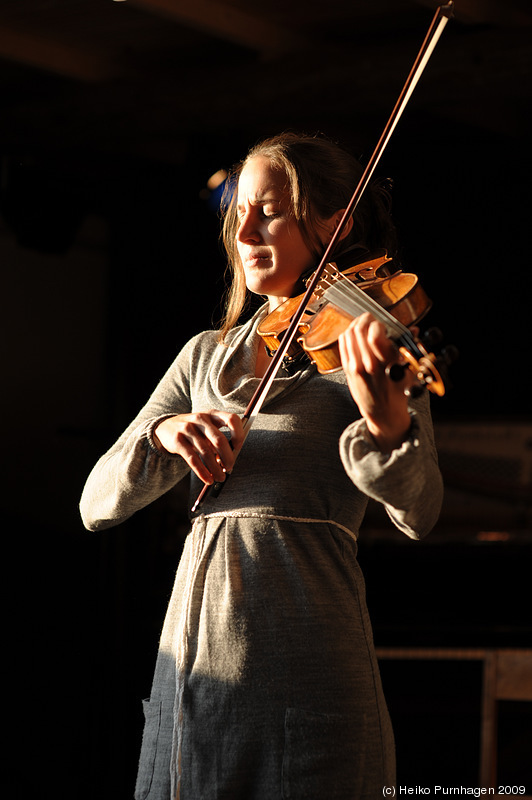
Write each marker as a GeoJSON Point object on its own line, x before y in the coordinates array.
{"type": "Point", "coordinates": [230, 24]}
{"type": "Point", "coordinates": [53, 57]}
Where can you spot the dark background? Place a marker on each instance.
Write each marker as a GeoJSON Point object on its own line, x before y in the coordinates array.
{"type": "Point", "coordinates": [113, 117]}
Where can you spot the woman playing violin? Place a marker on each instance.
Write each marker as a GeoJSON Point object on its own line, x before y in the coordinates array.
{"type": "Point", "coordinates": [266, 683]}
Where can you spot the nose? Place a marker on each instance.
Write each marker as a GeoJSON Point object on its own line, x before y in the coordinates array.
{"type": "Point", "coordinates": [248, 229]}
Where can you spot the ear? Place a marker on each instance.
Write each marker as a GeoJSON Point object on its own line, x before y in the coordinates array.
{"type": "Point", "coordinates": [336, 219]}
{"type": "Point", "coordinates": [328, 226]}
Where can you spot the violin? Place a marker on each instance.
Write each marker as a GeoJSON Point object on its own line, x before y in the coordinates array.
{"type": "Point", "coordinates": [395, 299]}
{"type": "Point", "coordinates": [343, 296]}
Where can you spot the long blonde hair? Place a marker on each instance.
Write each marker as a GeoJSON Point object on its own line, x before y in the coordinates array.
{"type": "Point", "coordinates": [321, 179]}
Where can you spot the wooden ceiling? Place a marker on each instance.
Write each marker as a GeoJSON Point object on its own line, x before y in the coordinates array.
{"type": "Point", "coordinates": [149, 77]}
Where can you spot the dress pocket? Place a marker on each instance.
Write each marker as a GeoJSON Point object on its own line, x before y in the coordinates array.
{"type": "Point", "coordinates": [150, 737]}
{"type": "Point", "coordinates": [323, 757]}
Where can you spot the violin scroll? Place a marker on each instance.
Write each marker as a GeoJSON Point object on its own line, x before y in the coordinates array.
{"type": "Point", "coordinates": [430, 370]}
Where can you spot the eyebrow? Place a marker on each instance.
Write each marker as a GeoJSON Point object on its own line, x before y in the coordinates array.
{"type": "Point", "coordinates": [264, 199]}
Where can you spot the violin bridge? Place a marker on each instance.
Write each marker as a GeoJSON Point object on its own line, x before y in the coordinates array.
{"type": "Point", "coordinates": [329, 275]}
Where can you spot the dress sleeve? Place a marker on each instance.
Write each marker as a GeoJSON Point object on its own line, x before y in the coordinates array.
{"type": "Point", "coordinates": [134, 472]}
{"type": "Point", "coordinates": [406, 481]}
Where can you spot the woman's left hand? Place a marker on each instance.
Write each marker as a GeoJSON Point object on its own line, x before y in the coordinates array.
{"type": "Point", "coordinates": [366, 352]}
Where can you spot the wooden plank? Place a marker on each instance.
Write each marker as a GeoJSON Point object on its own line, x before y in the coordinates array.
{"type": "Point", "coordinates": [226, 22]}
{"type": "Point", "coordinates": [53, 56]}
{"type": "Point", "coordinates": [514, 675]}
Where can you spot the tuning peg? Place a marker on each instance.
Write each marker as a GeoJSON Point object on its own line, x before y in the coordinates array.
{"type": "Point", "coordinates": [431, 338]}
{"type": "Point", "coordinates": [416, 390]}
{"type": "Point", "coordinates": [449, 354]}
{"type": "Point", "coordinates": [396, 372]}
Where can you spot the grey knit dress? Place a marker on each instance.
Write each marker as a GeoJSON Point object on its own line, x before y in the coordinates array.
{"type": "Point", "coordinates": [266, 683]}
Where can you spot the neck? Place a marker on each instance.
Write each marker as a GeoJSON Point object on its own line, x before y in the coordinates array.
{"type": "Point", "coordinates": [275, 302]}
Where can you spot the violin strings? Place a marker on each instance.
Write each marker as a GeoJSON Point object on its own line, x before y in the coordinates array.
{"type": "Point", "coordinates": [353, 300]}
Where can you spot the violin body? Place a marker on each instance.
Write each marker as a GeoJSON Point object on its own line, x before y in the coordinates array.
{"type": "Point", "coordinates": [400, 294]}
{"type": "Point", "coordinates": [274, 325]}
{"type": "Point", "coordinates": [396, 297]}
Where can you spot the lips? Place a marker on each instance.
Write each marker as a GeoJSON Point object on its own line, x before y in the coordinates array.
{"type": "Point", "coordinates": [254, 259]}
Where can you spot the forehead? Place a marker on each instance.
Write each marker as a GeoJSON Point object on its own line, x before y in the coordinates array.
{"type": "Point", "coordinates": [260, 181]}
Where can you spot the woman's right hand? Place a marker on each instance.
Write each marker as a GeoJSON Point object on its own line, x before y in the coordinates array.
{"type": "Point", "coordinates": [198, 439]}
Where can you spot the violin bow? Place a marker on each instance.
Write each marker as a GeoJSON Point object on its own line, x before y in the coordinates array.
{"type": "Point", "coordinates": [441, 17]}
